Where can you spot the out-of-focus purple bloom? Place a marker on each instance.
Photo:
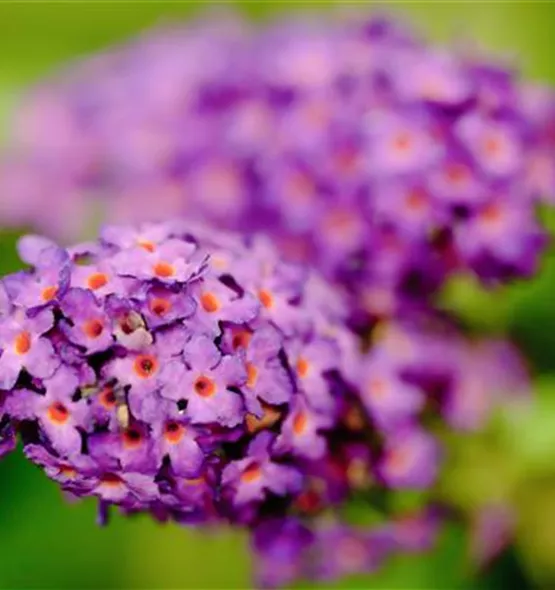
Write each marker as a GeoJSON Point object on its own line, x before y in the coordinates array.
{"type": "Point", "coordinates": [301, 432]}
{"type": "Point", "coordinates": [391, 400]}
{"type": "Point", "coordinates": [280, 546]}
{"type": "Point", "coordinates": [250, 479]}
{"type": "Point", "coordinates": [487, 374]}
{"type": "Point", "coordinates": [411, 459]}
{"type": "Point", "coordinates": [342, 550]}
{"type": "Point", "coordinates": [416, 532]}
{"type": "Point", "coordinates": [491, 531]}
{"type": "Point", "coordinates": [316, 134]}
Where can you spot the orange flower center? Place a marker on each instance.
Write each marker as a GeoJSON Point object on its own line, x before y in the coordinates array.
{"type": "Point", "coordinates": [252, 375]}
{"type": "Point", "coordinates": [132, 438]}
{"type": "Point", "coordinates": [266, 298]}
{"type": "Point", "coordinates": [194, 481]}
{"type": "Point", "coordinates": [377, 388]}
{"type": "Point", "coordinates": [97, 280]}
{"type": "Point", "coordinates": [174, 432]}
{"type": "Point", "coordinates": [302, 367]}
{"type": "Point", "coordinates": [58, 413]}
{"type": "Point", "coordinates": [22, 343]}
{"type": "Point", "coordinates": [492, 145]}
{"type": "Point", "coordinates": [457, 173]}
{"type": "Point", "coordinates": [346, 161]}
{"type": "Point", "coordinates": [93, 328]}
{"type": "Point", "coordinates": [240, 339]}
{"type": "Point", "coordinates": [300, 422]}
{"type": "Point", "coordinates": [204, 386]}
{"type": "Point", "coordinates": [164, 270]}
{"type": "Point", "coordinates": [416, 200]}
{"type": "Point", "coordinates": [67, 471]}
{"type": "Point", "coordinates": [402, 142]}
{"type": "Point", "coordinates": [340, 222]}
{"type": "Point", "coordinates": [251, 473]}
{"type": "Point", "coordinates": [146, 245]}
{"type": "Point", "coordinates": [491, 213]}
{"type": "Point", "coordinates": [159, 306]}
{"type": "Point", "coordinates": [301, 188]}
{"type": "Point", "coordinates": [145, 365]}
{"type": "Point", "coordinates": [48, 293]}
{"type": "Point", "coordinates": [209, 302]}
{"type": "Point", "coordinates": [107, 398]}
{"type": "Point", "coordinates": [111, 480]}
{"type": "Point", "coordinates": [398, 459]}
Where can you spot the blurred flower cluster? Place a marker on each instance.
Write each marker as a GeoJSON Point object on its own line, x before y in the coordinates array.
{"type": "Point", "coordinates": [273, 377]}
{"type": "Point", "coordinates": [384, 162]}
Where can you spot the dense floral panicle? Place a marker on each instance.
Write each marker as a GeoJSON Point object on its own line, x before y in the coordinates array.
{"type": "Point", "coordinates": [385, 162]}
{"type": "Point", "coordinates": [172, 369]}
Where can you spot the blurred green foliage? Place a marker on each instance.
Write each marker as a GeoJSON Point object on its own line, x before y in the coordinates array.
{"type": "Point", "coordinates": [48, 544]}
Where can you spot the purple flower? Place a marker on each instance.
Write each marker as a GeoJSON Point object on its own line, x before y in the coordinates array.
{"type": "Point", "coordinates": [280, 551]}
{"type": "Point", "coordinates": [399, 144]}
{"type": "Point", "coordinates": [145, 370]}
{"type": "Point", "coordinates": [23, 347]}
{"type": "Point", "coordinates": [218, 303]}
{"type": "Point", "coordinates": [492, 529]}
{"type": "Point", "coordinates": [60, 417]}
{"type": "Point", "coordinates": [437, 77]}
{"type": "Point", "coordinates": [267, 379]}
{"type": "Point", "coordinates": [388, 398]}
{"type": "Point", "coordinates": [124, 487]}
{"type": "Point", "coordinates": [310, 362]}
{"type": "Point", "coordinates": [206, 386]}
{"type": "Point", "coordinates": [99, 278]}
{"type": "Point", "coordinates": [39, 290]}
{"type": "Point", "coordinates": [252, 478]}
{"type": "Point", "coordinates": [485, 374]}
{"type": "Point", "coordinates": [410, 459]}
{"type": "Point", "coordinates": [495, 146]}
{"type": "Point", "coordinates": [167, 263]}
{"type": "Point", "coordinates": [301, 431]}
{"type": "Point", "coordinates": [416, 532]}
{"type": "Point", "coordinates": [176, 439]}
{"type": "Point", "coordinates": [74, 473]}
{"type": "Point", "coordinates": [164, 306]}
{"type": "Point", "coordinates": [90, 328]}
{"type": "Point", "coordinates": [502, 236]}
{"type": "Point", "coordinates": [148, 237]}
{"type": "Point", "coordinates": [130, 449]}
{"type": "Point", "coordinates": [341, 550]}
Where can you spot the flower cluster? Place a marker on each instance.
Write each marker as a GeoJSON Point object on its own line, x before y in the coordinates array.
{"type": "Point", "coordinates": [386, 163]}
{"type": "Point", "coordinates": [196, 376]}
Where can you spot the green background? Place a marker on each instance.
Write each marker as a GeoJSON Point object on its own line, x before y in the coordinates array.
{"type": "Point", "coordinates": [46, 543]}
